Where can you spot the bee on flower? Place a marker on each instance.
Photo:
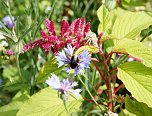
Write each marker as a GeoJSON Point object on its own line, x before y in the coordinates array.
{"type": "Point", "coordinates": [77, 62]}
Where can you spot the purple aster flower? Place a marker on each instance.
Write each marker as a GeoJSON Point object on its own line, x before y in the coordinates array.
{"type": "Point", "coordinates": [8, 22]}
{"type": "Point", "coordinates": [77, 62]}
{"type": "Point", "coordinates": [64, 87]}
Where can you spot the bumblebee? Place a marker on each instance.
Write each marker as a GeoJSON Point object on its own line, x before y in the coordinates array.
{"type": "Point", "coordinates": [74, 61]}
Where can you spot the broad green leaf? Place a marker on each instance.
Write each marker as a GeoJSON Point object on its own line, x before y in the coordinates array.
{"type": "Point", "coordinates": [91, 49]}
{"type": "Point", "coordinates": [135, 49]}
{"type": "Point", "coordinates": [47, 103]}
{"type": "Point", "coordinates": [12, 108]}
{"type": "Point", "coordinates": [132, 3]}
{"type": "Point", "coordinates": [104, 18]}
{"type": "Point", "coordinates": [50, 66]}
{"type": "Point", "coordinates": [138, 80]}
{"type": "Point", "coordinates": [109, 37]}
{"type": "Point", "coordinates": [130, 24]}
{"type": "Point", "coordinates": [125, 112]}
{"type": "Point", "coordinates": [137, 108]}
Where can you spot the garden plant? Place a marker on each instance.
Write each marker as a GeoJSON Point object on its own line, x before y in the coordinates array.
{"type": "Point", "coordinates": [75, 58]}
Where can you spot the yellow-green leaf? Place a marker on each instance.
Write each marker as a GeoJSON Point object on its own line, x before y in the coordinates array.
{"type": "Point", "coordinates": [13, 107]}
{"type": "Point", "coordinates": [135, 49]}
{"type": "Point", "coordinates": [104, 18]}
{"type": "Point", "coordinates": [50, 66]}
{"type": "Point", "coordinates": [47, 103]}
{"type": "Point", "coordinates": [91, 49]}
{"type": "Point", "coordinates": [137, 108]}
{"type": "Point", "coordinates": [130, 24]}
{"type": "Point", "coordinates": [138, 80]}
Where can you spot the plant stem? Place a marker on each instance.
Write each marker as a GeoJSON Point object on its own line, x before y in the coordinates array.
{"type": "Point", "coordinates": [64, 102]}
{"type": "Point", "coordinates": [32, 79]}
{"type": "Point", "coordinates": [109, 94]}
{"type": "Point", "coordinates": [118, 88]}
{"type": "Point", "coordinates": [90, 93]}
{"type": "Point", "coordinates": [90, 100]}
{"type": "Point", "coordinates": [100, 72]}
{"type": "Point", "coordinates": [18, 65]}
{"type": "Point", "coordinates": [108, 82]}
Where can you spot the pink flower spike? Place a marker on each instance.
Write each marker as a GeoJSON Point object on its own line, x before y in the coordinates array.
{"type": "Point", "coordinates": [10, 52]}
{"type": "Point", "coordinates": [87, 28]}
{"type": "Point", "coordinates": [32, 45]}
{"type": "Point", "coordinates": [50, 26]}
{"type": "Point", "coordinates": [52, 39]}
{"type": "Point", "coordinates": [82, 25]}
{"type": "Point", "coordinates": [43, 34]}
{"type": "Point", "coordinates": [77, 27]}
{"type": "Point", "coordinates": [64, 28]}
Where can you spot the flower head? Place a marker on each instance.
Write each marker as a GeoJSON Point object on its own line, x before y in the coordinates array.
{"type": "Point", "coordinates": [10, 52]}
{"type": "Point", "coordinates": [64, 87]}
{"type": "Point", "coordinates": [74, 34]}
{"type": "Point", "coordinates": [8, 22]}
{"type": "Point", "coordinates": [77, 62]}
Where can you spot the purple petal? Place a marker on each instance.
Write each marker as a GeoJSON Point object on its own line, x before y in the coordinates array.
{"type": "Point", "coordinates": [69, 50]}
{"type": "Point", "coordinates": [62, 59]}
{"type": "Point", "coordinates": [73, 84]}
{"type": "Point", "coordinates": [76, 92]}
{"type": "Point", "coordinates": [54, 82]}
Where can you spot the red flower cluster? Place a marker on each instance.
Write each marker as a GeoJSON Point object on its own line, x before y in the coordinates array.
{"type": "Point", "coordinates": [10, 52]}
{"type": "Point", "coordinates": [73, 34]}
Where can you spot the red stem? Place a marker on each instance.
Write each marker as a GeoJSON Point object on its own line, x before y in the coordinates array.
{"type": "Point", "coordinates": [108, 83]}
{"type": "Point", "coordinates": [100, 72]}
{"type": "Point", "coordinates": [109, 58]}
{"type": "Point", "coordinates": [109, 94]}
{"type": "Point", "coordinates": [118, 88]}
{"type": "Point", "coordinates": [113, 69]}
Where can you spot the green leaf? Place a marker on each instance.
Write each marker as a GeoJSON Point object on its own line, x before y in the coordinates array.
{"type": "Point", "coordinates": [91, 49]}
{"type": "Point", "coordinates": [38, 26]}
{"type": "Point", "coordinates": [12, 108]}
{"type": "Point", "coordinates": [46, 102]}
{"type": "Point", "coordinates": [27, 31]}
{"type": "Point", "coordinates": [130, 24]}
{"type": "Point", "coordinates": [138, 80]}
{"type": "Point", "coordinates": [125, 112]}
{"type": "Point", "coordinates": [137, 108]}
{"type": "Point", "coordinates": [18, 47]}
{"type": "Point", "coordinates": [6, 34]}
{"type": "Point", "coordinates": [50, 66]}
{"type": "Point", "coordinates": [135, 49]}
{"type": "Point", "coordinates": [104, 18]}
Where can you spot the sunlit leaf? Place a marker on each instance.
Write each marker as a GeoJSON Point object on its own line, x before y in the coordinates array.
{"type": "Point", "coordinates": [50, 66]}
{"type": "Point", "coordinates": [104, 18]}
{"type": "Point", "coordinates": [137, 79]}
{"type": "Point", "coordinates": [135, 49]}
{"type": "Point", "coordinates": [91, 49]}
{"type": "Point", "coordinates": [12, 108]}
{"type": "Point", "coordinates": [137, 108]}
{"type": "Point", "coordinates": [47, 103]}
{"type": "Point", "coordinates": [130, 24]}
